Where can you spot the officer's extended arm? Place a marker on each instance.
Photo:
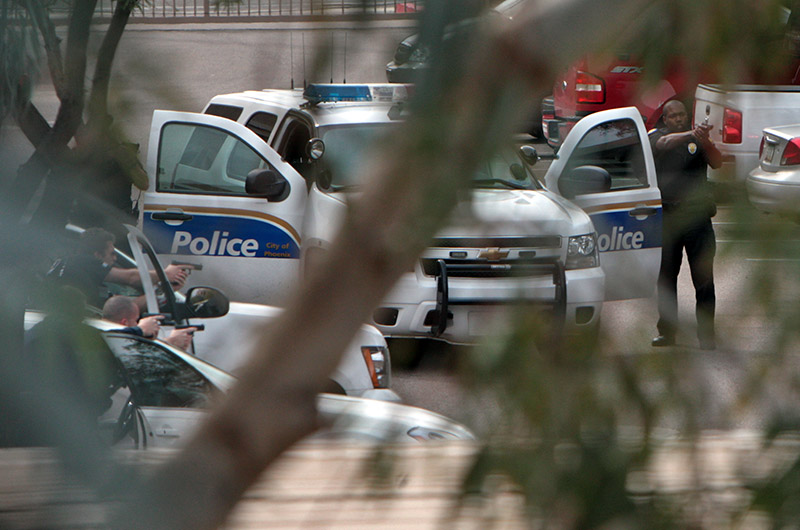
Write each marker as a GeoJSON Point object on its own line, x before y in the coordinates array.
{"type": "Point", "coordinates": [713, 156]}
{"type": "Point", "coordinates": [176, 274]}
{"type": "Point", "coordinates": [671, 140]}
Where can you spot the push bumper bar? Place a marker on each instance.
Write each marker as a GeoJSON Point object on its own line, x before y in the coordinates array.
{"type": "Point", "coordinates": [443, 301]}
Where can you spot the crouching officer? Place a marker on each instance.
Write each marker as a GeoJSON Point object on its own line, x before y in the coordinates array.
{"type": "Point", "coordinates": [681, 157]}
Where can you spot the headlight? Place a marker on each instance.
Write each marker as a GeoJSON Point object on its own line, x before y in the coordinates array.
{"type": "Point", "coordinates": [378, 364]}
{"type": "Point", "coordinates": [420, 55]}
{"type": "Point", "coordinates": [402, 53]}
{"type": "Point", "coordinates": [582, 252]}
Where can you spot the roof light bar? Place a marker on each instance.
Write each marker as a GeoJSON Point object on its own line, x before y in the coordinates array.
{"type": "Point", "coordinates": [315, 93]}
{"type": "Point", "coordinates": [331, 93]}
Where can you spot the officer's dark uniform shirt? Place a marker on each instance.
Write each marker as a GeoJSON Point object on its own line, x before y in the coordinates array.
{"type": "Point", "coordinates": [85, 273]}
{"type": "Point", "coordinates": [681, 173]}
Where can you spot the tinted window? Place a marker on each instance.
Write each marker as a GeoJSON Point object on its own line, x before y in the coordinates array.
{"type": "Point", "coordinates": [226, 111]}
{"type": "Point", "coordinates": [157, 377]}
{"type": "Point", "coordinates": [203, 159]}
{"type": "Point", "coordinates": [262, 124]}
{"type": "Point", "coordinates": [616, 147]}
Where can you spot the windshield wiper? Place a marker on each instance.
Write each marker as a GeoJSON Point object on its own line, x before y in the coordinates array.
{"type": "Point", "coordinates": [508, 183]}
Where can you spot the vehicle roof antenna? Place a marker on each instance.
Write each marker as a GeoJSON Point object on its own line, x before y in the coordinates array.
{"type": "Point", "coordinates": [304, 59]}
{"type": "Point", "coordinates": [331, 57]}
{"type": "Point", "coordinates": [291, 56]}
{"type": "Point", "coordinates": [344, 58]}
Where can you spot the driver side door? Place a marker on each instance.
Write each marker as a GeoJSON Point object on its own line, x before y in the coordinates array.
{"type": "Point", "coordinates": [198, 206]}
{"type": "Point", "coordinates": [627, 214]}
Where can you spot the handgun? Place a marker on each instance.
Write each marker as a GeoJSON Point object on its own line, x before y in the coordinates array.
{"type": "Point", "coordinates": [200, 327]}
{"type": "Point", "coordinates": [188, 265]}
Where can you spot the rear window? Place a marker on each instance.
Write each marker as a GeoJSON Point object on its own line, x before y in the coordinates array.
{"type": "Point", "coordinates": [226, 111]}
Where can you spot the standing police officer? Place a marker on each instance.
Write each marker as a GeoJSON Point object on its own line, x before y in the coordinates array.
{"type": "Point", "coordinates": [681, 156]}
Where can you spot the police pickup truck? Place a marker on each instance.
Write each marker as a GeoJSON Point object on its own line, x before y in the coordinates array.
{"type": "Point", "coordinates": [260, 181]}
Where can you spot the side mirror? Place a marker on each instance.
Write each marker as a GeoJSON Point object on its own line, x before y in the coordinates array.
{"type": "Point", "coordinates": [206, 302]}
{"type": "Point", "coordinates": [584, 179]}
{"type": "Point", "coordinates": [266, 183]}
{"type": "Point", "coordinates": [528, 154]}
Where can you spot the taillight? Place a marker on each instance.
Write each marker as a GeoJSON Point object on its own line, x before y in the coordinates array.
{"type": "Point", "coordinates": [761, 146]}
{"type": "Point", "coordinates": [732, 126]}
{"type": "Point", "coordinates": [791, 153]}
{"type": "Point", "coordinates": [589, 88]}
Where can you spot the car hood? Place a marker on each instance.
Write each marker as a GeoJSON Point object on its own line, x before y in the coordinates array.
{"type": "Point", "coordinates": [360, 419]}
{"type": "Point", "coordinates": [517, 212]}
{"type": "Point", "coordinates": [499, 212]}
{"type": "Point", "coordinates": [381, 421]}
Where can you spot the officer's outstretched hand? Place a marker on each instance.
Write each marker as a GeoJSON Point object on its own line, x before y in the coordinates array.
{"type": "Point", "coordinates": [181, 338]}
{"type": "Point", "coordinates": [701, 133]}
{"type": "Point", "coordinates": [150, 326]}
{"type": "Point", "coordinates": [177, 274]}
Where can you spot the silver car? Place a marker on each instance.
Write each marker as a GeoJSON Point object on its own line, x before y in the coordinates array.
{"type": "Point", "coordinates": [168, 392]}
{"type": "Point", "coordinates": [774, 186]}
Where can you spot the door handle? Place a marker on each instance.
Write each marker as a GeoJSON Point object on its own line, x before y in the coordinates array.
{"type": "Point", "coordinates": [171, 216]}
{"type": "Point", "coordinates": [637, 212]}
{"type": "Point", "coordinates": [166, 431]}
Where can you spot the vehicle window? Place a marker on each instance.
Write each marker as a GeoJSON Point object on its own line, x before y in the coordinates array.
{"type": "Point", "coordinates": [345, 149]}
{"type": "Point", "coordinates": [504, 170]}
{"type": "Point", "coordinates": [202, 159]}
{"type": "Point", "coordinates": [616, 147]}
{"type": "Point", "coordinates": [226, 111]}
{"type": "Point", "coordinates": [262, 124]}
{"type": "Point", "coordinates": [293, 147]}
{"type": "Point", "coordinates": [159, 287]}
{"type": "Point", "coordinates": [157, 377]}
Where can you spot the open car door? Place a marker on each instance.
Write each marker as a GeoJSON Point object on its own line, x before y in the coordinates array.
{"type": "Point", "coordinates": [219, 195]}
{"type": "Point", "coordinates": [606, 167]}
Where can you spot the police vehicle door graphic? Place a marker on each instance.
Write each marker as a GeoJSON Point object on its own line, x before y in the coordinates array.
{"type": "Point", "coordinates": [626, 207]}
{"type": "Point", "coordinates": [197, 208]}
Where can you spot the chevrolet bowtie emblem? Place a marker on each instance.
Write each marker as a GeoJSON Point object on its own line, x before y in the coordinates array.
{"type": "Point", "coordinates": [493, 254]}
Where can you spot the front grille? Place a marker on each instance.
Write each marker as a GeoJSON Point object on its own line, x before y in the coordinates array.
{"type": "Point", "coordinates": [497, 242]}
{"type": "Point", "coordinates": [475, 268]}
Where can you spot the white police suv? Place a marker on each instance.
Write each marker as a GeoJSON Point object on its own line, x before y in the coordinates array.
{"type": "Point", "coordinates": [260, 181]}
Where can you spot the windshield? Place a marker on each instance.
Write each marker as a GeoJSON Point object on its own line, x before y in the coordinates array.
{"type": "Point", "coordinates": [345, 151]}
{"type": "Point", "coordinates": [504, 170]}
{"type": "Point", "coordinates": [346, 147]}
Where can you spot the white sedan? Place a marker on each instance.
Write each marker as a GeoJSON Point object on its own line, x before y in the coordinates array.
{"type": "Point", "coordinates": [774, 186]}
{"type": "Point", "coordinates": [167, 394]}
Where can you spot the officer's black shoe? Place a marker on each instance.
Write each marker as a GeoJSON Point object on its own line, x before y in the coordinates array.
{"type": "Point", "coordinates": [663, 340]}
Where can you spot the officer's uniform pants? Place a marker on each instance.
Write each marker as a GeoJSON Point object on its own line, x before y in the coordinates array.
{"type": "Point", "coordinates": [696, 236]}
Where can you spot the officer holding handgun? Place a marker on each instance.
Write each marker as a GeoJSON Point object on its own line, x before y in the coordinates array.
{"type": "Point", "coordinates": [681, 155]}
{"type": "Point", "coordinates": [123, 310]}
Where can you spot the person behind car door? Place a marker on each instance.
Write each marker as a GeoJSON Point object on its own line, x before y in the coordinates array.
{"type": "Point", "coordinates": [123, 310]}
{"type": "Point", "coordinates": [93, 264]}
{"type": "Point", "coordinates": [681, 156]}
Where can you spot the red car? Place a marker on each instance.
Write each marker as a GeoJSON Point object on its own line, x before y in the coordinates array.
{"type": "Point", "coordinates": [603, 82]}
